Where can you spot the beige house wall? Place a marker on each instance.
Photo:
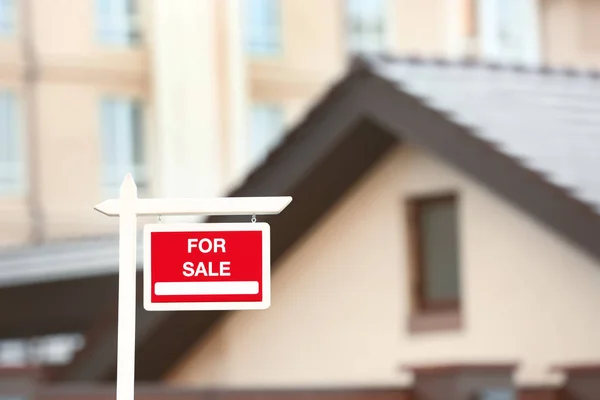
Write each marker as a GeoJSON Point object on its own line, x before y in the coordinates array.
{"type": "Point", "coordinates": [422, 26]}
{"type": "Point", "coordinates": [340, 305]}
{"type": "Point", "coordinates": [571, 35]}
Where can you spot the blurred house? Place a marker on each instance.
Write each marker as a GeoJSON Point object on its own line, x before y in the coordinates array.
{"type": "Point", "coordinates": [434, 248]}
{"type": "Point", "coordinates": [399, 156]}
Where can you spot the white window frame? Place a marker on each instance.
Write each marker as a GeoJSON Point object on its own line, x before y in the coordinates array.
{"type": "Point", "coordinates": [355, 41]}
{"type": "Point", "coordinates": [268, 118]}
{"type": "Point", "coordinates": [118, 22]}
{"type": "Point", "coordinates": [11, 155]}
{"type": "Point", "coordinates": [118, 135]}
{"type": "Point", "coordinates": [8, 18]}
{"type": "Point", "coordinates": [263, 27]}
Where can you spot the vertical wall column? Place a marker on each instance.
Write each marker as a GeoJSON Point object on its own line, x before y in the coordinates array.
{"type": "Point", "coordinates": [455, 21]}
{"type": "Point", "coordinates": [237, 94]}
{"type": "Point", "coordinates": [31, 116]}
{"type": "Point", "coordinates": [185, 77]}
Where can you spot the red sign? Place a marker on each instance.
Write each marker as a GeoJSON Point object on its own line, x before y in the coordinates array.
{"type": "Point", "coordinates": [206, 266]}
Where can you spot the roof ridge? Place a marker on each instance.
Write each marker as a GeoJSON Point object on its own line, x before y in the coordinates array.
{"type": "Point", "coordinates": [360, 63]}
{"type": "Point", "coordinates": [470, 62]}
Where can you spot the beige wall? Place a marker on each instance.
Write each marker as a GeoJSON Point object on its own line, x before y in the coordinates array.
{"type": "Point", "coordinates": [571, 35]}
{"type": "Point", "coordinates": [70, 157]}
{"type": "Point", "coordinates": [65, 35]}
{"type": "Point", "coordinates": [340, 304]}
{"type": "Point", "coordinates": [74, 72]}
{"type": "Point", "coordinates": [422, 26]}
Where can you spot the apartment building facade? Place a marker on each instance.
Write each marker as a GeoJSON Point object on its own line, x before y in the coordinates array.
{"type": "Point", "coordinates": [188, 96]}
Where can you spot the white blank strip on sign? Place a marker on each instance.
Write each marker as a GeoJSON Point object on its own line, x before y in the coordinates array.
{"type": "Point", "coordinates": [205, 288]}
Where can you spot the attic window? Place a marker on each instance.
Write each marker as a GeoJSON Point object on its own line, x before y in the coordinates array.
{"type": "Point", "coordinates": [434, 262]}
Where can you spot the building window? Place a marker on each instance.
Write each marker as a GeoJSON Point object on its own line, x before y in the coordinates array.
{"type": "Point", "coordinates": [508, 30]}
{"type": "Point", "coordinates": [266, 127]}
{"type": "Point", "coordinates": [118, 22]}
{"type": "Point", "coordinates": [122, 142]}
{"type": "Point", "coordinates": [508, 33]}
{"type": "Point", "coordinates": [10, 157]}
{"type": "Point", "coordinates": [7, 17]}
{"type": "Point", "coordinates": [262, 26]}
{"type": "Point", "coordinates": [433, 234]}
{"type": "Point", "coordinates": [366, 25]}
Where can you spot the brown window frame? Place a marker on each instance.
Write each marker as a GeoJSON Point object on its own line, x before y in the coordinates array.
{"type": "Point", "coordinates": [420, 304]}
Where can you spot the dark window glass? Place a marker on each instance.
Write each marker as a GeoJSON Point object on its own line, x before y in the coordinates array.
{"type": "Point", "coordinates": [435, 247]}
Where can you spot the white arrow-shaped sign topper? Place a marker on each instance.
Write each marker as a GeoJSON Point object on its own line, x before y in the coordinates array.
{"type": "Point", "coordinates": [214, 206]}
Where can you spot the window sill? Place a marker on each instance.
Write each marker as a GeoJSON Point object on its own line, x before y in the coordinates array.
{"type": "Point", "coordinates": [435, 321]}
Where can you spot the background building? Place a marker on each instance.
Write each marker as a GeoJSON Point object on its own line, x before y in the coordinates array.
{"type": "Point", "coordinates": [196, 91]}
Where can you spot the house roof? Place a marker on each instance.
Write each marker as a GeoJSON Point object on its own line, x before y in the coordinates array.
{"type": "Point", "coordinates": [61, 260]}
{"type": "Point", "coordinates": [548, 119]}
{"type": "Point", "coordinates": [75, 281]}
{"type": "Point", "coordinates": [509, 129]}
{"type": "Point", "coordinates": [58, 272]}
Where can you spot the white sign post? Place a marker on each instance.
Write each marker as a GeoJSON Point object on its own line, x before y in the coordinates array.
{"type": "Point", "coordinates": [127, 208]}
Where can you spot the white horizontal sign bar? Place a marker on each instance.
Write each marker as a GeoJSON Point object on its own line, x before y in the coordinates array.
{"type": "Point", "coordinates": [209, 206]}
{"type": "Point", "coordinates": [205, 288]}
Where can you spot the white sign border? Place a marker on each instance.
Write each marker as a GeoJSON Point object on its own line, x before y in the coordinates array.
{"type": "Point", "coordinates": [208, 227]}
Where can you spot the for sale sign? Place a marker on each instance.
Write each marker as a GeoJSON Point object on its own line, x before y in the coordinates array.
{"type": "Point", "coordinates": [206, 266]}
